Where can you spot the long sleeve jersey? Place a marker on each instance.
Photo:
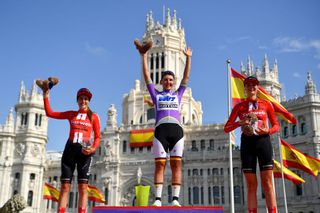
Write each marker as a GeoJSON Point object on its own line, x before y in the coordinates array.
{"type": "Point", "coordinates": [263, 109]}
{"type": "Point", "coordinates": [80, 125]}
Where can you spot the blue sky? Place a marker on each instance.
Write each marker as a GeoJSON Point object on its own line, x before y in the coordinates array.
{"type": "Point", "coordinates": [90, 44]}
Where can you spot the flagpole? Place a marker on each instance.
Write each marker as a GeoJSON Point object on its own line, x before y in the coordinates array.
{"type": "Point", "coordinates": [282, 175]}
{"type": "Point", "coordinates": [230, 144]}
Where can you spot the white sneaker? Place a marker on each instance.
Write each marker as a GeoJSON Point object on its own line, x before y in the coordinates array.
{"type": "Point", "coordinates": [157, 203]}
{"type": "Point", "coordinates": [175, 203]}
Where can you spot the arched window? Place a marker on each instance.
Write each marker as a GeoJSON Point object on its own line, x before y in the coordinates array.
{"type": "Point", "coordinates": [124, 146]}
{"type": "Point", "coordinates": [157, 61]}
{"type": "Point", "coordinates": [209, 195]}
{"type": "Point", "coordinates": [215, 171]}
{"type": "Point", "coordinates": [30, 198]}
{"type": "Point", "coordinates": [208, 172]}
{"type": "Point", "coordinates": [195, 195]}
{"type": "Point", "coordinates": [37, 119]}
{"type": "Point", "coordinates": [157, 77]}
{"type": "Point", "coordinates": [285, 132]}
{"type": "Point", "coordinates": [299, 190]}
{"type": "Point", "coordinates": [211, 144]}
{"type": "Point", "coordinates": [194, 146]}
{"type": "Point", "coordinates": [32, 176]}
{"type": "Point", "coordinates": [151, 62]}
{"type": "Point", "coordinates": [302, 125]}
{"type": "Point", "coordinates": [236, 171]}
{"type": "Point", "coordinates": [151, 114]}
{"type": "Point", "coordinates": [222, 194]}
{"type": "Point", "coordinates": [203, 144]}
{"type": "Point", "coordinates": [216, 195]}
{"type": "Point", "coordinates": [70, 204]}
{"type": "Point", "coordinates": [202, 195]}
{"type": "Point", "coordinates": [189, 195]}
{"type": "Point", "coordinates": [195, 172]}
{"type": "Point", "coordinates": [162, 60]}
{"type": "Point", "coordinates": [294, 130]}
{"type": "Point", "coordinates": [169, 194]}
{"type": "Point", "coordinates": [237, 195]}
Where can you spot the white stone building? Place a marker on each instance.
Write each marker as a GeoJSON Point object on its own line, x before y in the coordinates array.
{"type": "Point", "coordinates": [115, 171]}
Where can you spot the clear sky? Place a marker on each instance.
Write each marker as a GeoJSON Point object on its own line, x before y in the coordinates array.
{"type": "Point", "coordinates": [90, 44]}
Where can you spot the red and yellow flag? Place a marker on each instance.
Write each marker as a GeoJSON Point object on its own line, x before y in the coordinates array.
{"type": "Point", "coordinates": [288, 174]}
{"type": "Point", "coordinates": [141, 137]}
{"type": "Point", "coordinates": [238, 95]}
{"type": "Point", "coordinates": [95, 195]}
{"type": "Point", "coordinates": [292, 157]}
{"type": "Point", "coordinates": [50, 192]}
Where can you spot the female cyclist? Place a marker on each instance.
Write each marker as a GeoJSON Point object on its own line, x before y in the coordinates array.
{"type": "Point", "coordinates": [78, 150]}
{"type": "Point", "coordinates": [255, 144]}
{"type": "Point", "coordinates": [168, 134]}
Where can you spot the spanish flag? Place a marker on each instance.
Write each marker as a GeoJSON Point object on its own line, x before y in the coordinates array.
{"type": "Point", "coordinates": [50, 192]}
{"type": "Point", "coordinates": [288, 174]}
{"type": "Point", "coordinates": [141, 137]}
{"type": "Point", "coordinates": [238, 95]}
{"type": "Point", "coordinates": [95, 195]}
{"type": "Point", "coordinates": [292, 157]}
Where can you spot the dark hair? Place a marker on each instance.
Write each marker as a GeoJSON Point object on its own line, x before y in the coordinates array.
{"type": "Point", "coordinates": [89, 113]}
{"type": "Point", "coordinates": [167, 72]}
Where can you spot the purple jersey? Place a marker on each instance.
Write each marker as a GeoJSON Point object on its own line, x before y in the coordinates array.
{"type": "Point", "coordinates": [167, 104]}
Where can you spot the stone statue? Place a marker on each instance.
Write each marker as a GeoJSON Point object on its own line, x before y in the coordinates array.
{"type": "Point", "coordinates": [14, 205]}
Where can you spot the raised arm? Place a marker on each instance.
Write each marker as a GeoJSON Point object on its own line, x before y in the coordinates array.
{"type": "Point", "coordinates": [143, 49]}
{"type": "Point", "coordinates": [186, 73]}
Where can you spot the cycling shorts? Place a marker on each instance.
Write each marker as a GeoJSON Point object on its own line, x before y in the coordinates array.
{"type": "Point", "coordinates": [168, 137]}
{"type": "Point", "coordinates": [253, 148]}
{"type": "Point", "coordinates": [72, 157]}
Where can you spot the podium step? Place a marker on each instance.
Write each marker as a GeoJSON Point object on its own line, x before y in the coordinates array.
{"type": "Point", "coordinates": [151, 209]}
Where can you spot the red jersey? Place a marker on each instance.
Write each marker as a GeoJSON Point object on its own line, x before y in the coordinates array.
{"type": "Point", "coordinates": [80, 125]}
{"type": "Point", "coordinates": [263, 109]}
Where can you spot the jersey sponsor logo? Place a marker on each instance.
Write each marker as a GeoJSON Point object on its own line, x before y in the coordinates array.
{"type": "Point", "coordinates": [168, 105]}
{"type": "Point", "coordinates": [166, 98]}
{"type": "Point", "coordinates": [167, 102]}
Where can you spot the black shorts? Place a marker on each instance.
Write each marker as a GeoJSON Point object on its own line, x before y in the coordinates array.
{"type": "Point", "coordinates": [168, 134]}
{"type": "Point", "coordinates": [72, 157]}
{"type": "Point", "coordinates": [253, 148]}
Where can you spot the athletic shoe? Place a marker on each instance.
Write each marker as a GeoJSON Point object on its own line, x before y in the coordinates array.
{"type": "Point", "coordinates": [143, 48]}
{"type": "Point", "coordinates": [175, 203]}
{"type": "Point", "coordinates": [157, 203]}
{"type": "Point", "coordinates": [52, 81]}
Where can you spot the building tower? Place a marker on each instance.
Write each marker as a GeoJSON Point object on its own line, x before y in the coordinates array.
{"type": "Point", "coordinates": [268, 77]}
{"type": "Point", "coordinates": [24, 149]}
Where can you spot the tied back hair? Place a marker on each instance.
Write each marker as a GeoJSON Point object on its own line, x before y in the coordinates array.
{"type": "Point", "coordinates": [89, 113]}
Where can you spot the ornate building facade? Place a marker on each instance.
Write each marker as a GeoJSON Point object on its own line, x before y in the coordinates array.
{"type": "Point", "coordinates": [117, 165]}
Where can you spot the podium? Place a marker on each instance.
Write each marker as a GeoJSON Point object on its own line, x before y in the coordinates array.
{"type": "Point", "coordinates": [151, 209]}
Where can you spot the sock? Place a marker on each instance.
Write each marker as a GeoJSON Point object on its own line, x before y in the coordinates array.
{"type": "Point", "coordinates": [159, 190]}
{"type": "Point", "coordinates": [61, 210]}
{"type": "Point", "coordinates": [272, 210]}
{"type": "Point", "coordinates": [175, 198]}
{"type": "Point", "coordinates": [252, 211]}
{"type": "Point", "coordinates": [176, 190]}
{"type": "Point", "coordinates": [81, 210]}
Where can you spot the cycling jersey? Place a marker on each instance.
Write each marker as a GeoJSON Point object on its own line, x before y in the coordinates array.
{"type": "Point", "coordinates": [167, 104]}
{"type": "Point", "coordinates": [80, 125]}
{"type": "Point", "coordinates": [263, 109]}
